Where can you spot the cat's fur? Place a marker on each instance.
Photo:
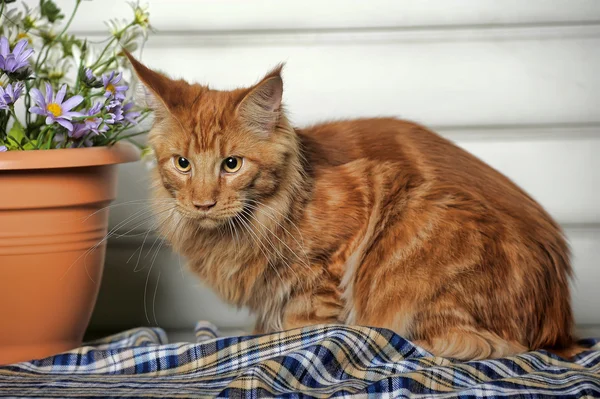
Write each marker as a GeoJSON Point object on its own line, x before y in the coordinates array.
{"type": "Point", "coordinates": [376, 222]}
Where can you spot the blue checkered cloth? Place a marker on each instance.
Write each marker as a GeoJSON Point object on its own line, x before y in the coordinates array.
{"type": "Point", "coordinates": [321, 361]}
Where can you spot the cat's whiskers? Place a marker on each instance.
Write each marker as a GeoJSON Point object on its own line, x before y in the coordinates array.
{"type": "Point", "coordinates": [257, 203]}
{"type": "Point", "coordinates": [132, 202]}
{"type": "Point", "coordinates": [154, 228]}
{"type": "Point", "coordinates": [283, 258]}
{"type": "Point", "coordinates": [154, 299]}
{"type": "Point", "coordinates": [305, 262]}
{"type": "Point", "coordinates": [110, 233]}
{"type": "Point", "coordinates": [234, 236]}
{"type": "Point", "coordinates": [155, 256]}
{"type": "Point", "coordinates": [260, 244]}
{"type": "Point", "coordinates": [277, 250]}
{"type": "Point", "coordinates": [302, 262]}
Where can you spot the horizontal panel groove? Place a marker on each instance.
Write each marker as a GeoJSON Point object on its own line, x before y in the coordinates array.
{"type": "Point", "coordinates": [503, 132]}
{"type": "Point", "coordinates": [195, 38]}
{"type": "Point", "coordinates": [520, 132]}
{"type": "Point", "coordinates": [490, 27]}
{"type": "Point", "coordinates": [242, 15]}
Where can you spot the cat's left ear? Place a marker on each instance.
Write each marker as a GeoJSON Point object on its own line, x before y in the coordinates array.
{"type": "Point", "coordinates": [260, 108]}
{"type": "Point", "coordinates": [165, 94]}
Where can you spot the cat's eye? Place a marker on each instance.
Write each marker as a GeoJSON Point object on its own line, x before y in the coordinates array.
{"type": "Point", "coordinates": [232, 164]}
{"type": "Point", "coordinates": [182, 164]}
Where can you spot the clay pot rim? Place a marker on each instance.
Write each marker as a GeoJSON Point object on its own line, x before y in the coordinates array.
{"type": "Point", "coordinates": [69, 157]}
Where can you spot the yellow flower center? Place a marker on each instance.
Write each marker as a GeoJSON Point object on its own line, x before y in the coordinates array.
{"type": "Point", "coordinates": [90, 120]}
{"type": "Point", "coordinates": [110, 87]}
{"type": "Point", "coordinates": [23, 35]}
{"type": "Point", "coordinates": [54, 109]}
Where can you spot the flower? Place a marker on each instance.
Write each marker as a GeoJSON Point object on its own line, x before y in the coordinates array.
{"type": "Point", "coordinates": [110, 81]}
{"type": "Point", "coordinates": [12, 17]}
{"type": "Point", "coordinates": [79, 130]}
{"type": "Point", "coordinates": [25, 35]}
{"type": "Point", "coordinates": [33, 19]}
{"type": "Point", "coordinates": [140, 15]}
{"type": "Point", "coordinates": [57, 66]}
{"type": "Point", "coordinates": [129, 41]}
{"type": "Point", "coordinates": [94, 123]}
{"type": "Point", "coordinates": [115, 112]}
{"type": "Point", "coordinates": [17, 60]}
{"type": "Point", "coordinates": [54, 108]}
{"type": "Point", "coordinates": [10, 94]}
{"type": "Point", "coordinates": [79, 94]}
{"type": "Point", "coordinates": [89, 79]}
{"type": "Point", "coordinates": [129, 115]}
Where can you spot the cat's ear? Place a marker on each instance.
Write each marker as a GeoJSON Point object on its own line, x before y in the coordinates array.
{"type": "Point", "coordinates": [160, 93]}
{"type": "Point", "coordinates": [260, 109]}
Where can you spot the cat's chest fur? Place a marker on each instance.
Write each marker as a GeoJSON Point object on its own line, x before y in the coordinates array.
{"type": "Point", "coordinates": [319, 251]}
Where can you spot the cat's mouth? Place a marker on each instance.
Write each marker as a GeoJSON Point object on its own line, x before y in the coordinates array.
{"type": "Point", "coordinates": [210, 220]}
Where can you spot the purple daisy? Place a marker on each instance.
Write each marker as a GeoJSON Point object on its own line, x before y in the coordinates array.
{"type": "Point", "coordinates": [10, 94]}
{"type": "Point", "coordinates": [89, 79]}
{"type": "Point", "coordinates": [94, 123]}
{"type": "Point", "coordinates": [17, 60]}
{"type": "Point", "coordinates": [3, 148]}
{"type": "Point", "coordinates": [129, 115]}
{"type": "Point", "coordinates": [79, 130]}
{"type": "Point", "coordinates": [53, 107]}
{"type": "Point", "coordinates": [115, 112]}
{"type": "Point", "coordinates": [89, 75]}
{"type": "Point", "coordinates": [110, 82]}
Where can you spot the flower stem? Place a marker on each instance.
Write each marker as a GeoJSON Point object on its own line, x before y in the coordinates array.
{"type": "Point", "coordinates": [103, 52]}
{"type": "Point", "coordinates": [2, 10]}
{"type": "Point", "coordinates": [138, 145]}
{"type": "Point", "coordinates": [62, 32]}
{"type": "Point", "coordinates": [14, 115]}
{"type": "Point", "coordinates": [27, 103]}
{"type": "Point", "coordinates": [117, 34]}
{"type": "Point", "coordinates": [133, 135]}
{"type": "Point", "coordinates": [40, 136]}
{"type": "Point", "coordinates": [50, 138]}
{"type": "Point", "coordinates": [104, 64]}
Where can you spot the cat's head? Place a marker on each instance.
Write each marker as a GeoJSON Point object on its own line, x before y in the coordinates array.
{"type": "Point", "coordinates": [218, 152]}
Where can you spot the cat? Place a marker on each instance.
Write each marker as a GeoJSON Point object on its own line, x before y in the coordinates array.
{"type": "Point", "coordinates": [377, 222]}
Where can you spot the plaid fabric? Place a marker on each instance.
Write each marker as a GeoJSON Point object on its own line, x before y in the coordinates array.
{"type": "Point", "coordinates": [321, 361]}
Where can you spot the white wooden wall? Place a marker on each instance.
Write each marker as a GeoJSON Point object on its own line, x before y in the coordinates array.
{"type": "Point", "coordinates": [515, 82]}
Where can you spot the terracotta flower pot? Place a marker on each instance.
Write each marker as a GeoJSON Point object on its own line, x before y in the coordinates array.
{"type": "Point", "coordinates": [53, 219]}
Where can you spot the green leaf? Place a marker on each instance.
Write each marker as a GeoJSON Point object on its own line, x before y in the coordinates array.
{"type": "Point", "coordinates": [13, 144]}
{"type": "Point", "coordinates": [30, 145]}
{"type": "Point", "coordinates": [17, 132]}
{"type": "Point", "coordinates": [50, 10]}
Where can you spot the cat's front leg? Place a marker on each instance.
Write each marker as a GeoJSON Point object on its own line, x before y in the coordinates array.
{"type": "Point", "coordinates": [312, 309]}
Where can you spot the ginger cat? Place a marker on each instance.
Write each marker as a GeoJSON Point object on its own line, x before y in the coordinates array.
{"type": "Point", "coordinates": [376, 222]}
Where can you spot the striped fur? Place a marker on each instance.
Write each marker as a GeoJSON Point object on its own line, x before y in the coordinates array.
{"type": "Point", "coordinates": [376, 222]}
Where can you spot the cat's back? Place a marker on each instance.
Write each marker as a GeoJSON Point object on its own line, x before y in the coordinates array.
{"type": "Point", "coordinates": [382, 140]}
{"type": "Point", "coordinates": [436, 199]}
{"type": "Point", "coordinates": [428, 158]}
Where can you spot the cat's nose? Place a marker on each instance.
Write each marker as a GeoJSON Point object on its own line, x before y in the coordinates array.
{"type": "Point", "coordinates": [204, 205]}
